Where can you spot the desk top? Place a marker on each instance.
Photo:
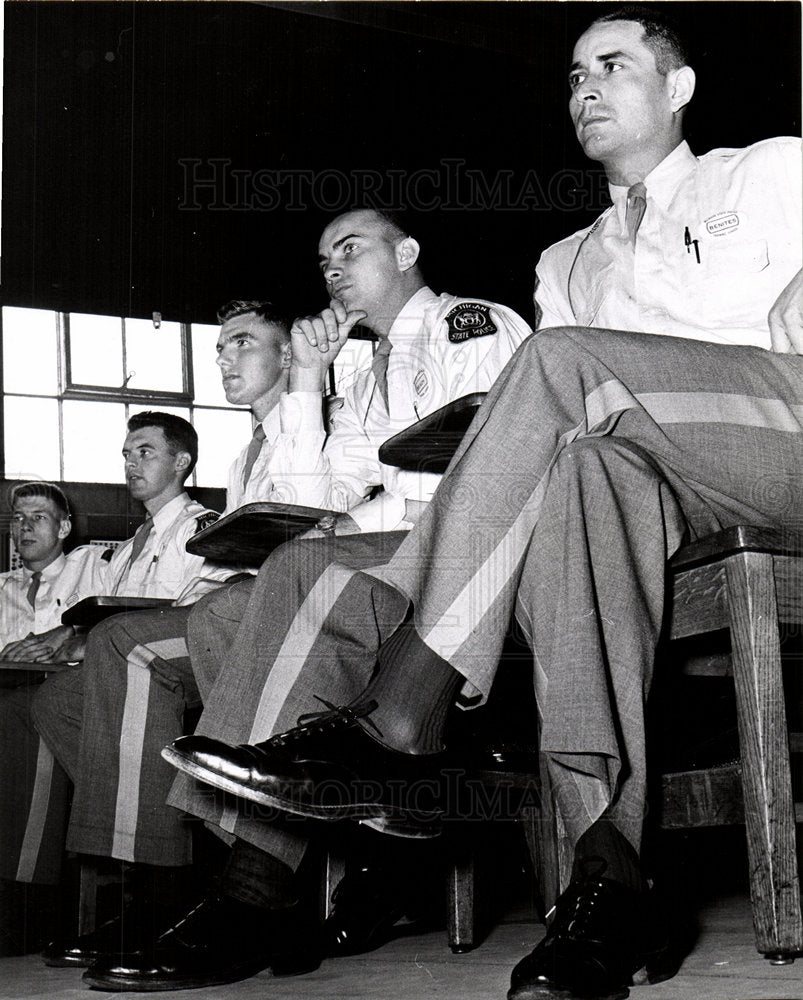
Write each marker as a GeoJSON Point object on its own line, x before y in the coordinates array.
{"type": "Point", "coordinates": [429, 445]}
{"type": "Point", "coordinates": [249, 534]}
{"type": "Point", "coordinates": [92, 610]}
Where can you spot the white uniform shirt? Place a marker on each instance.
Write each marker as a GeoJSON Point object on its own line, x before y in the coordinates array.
{"type": "Point", "coordinates": [743, 206]}
{"type": "Point", "coordinates": [63, 583]}
{"type": "Point", "coordinates": [164, 568]}
{"type": "Point", "coordinates": [260, 479]}
{"type": "Point", "coordinates": [444, 347]}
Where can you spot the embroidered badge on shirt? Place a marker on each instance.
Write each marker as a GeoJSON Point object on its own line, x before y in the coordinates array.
{"type": "Point", "coordinates": [204, 520]}
{"type": "Point", "coordinates": [469, 319]}
{"type": "Point", "coordinates": [421, 382]}
{"type": "Point", "coordinates": [721, 223]}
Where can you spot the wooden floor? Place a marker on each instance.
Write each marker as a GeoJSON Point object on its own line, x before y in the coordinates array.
{"type": "Point", "coordinates": [723, 965]}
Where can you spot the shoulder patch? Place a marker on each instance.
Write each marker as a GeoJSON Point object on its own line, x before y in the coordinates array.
{"type": "Point", "coordinates": [468, 320]}
{"type": "Point", "coordinates": [204, 520]}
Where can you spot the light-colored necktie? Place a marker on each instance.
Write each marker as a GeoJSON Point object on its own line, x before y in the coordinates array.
{"type": "Point", "coordinates": [254, 448]}
{"type": "Point", "coordinates": [379, 366]}
{"type": "Point", "coordinates": [140, 537]}
{"type": "Point", "coordinates": [33, 588]}
{"type": "Point", "coordinates": [636, 207]}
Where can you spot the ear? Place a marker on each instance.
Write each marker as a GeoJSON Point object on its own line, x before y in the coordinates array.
{"type": "Point", "coordinates": [407, 251]}
{"type": "Point", "coordinates": [681, 83]}
{"type": "Point", "coordinates": [183, 459]}
{"type": "Point", "coordinates": [65, 527]}
{"type": "Point", "coordinates": [286, 354]}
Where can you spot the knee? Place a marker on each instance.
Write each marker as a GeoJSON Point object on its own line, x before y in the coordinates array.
{"type": "Point", "coordinates": [54, 697]}
{"type": "Point", "coordinates": [226, 603]}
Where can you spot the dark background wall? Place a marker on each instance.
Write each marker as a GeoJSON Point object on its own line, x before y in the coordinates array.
{"type": "Point", "coordinates": [116, 114]}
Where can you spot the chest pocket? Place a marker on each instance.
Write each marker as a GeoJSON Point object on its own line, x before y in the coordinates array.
{"type": "Point", "coordinates": [727, 285]}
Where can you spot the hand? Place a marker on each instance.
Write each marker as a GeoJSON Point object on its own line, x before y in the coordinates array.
{"type": "Point", "coordinates": [72, 650]}
{"type": "Point", "coordinates": [786, 318]}
{"type": "Point", "coordinates": [36, 648]}
{"type": "Point", "coordinates": [317, 341]}
{"type": "Point", "coordinates": [344, 525]}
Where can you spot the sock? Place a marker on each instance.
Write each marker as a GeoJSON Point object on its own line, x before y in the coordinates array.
{"type": "Point", "coordinates": [257, 878]}
{"type": "Point", "coordinates": [603, 840]}
{"type": "Point", "coordinates": [413, 689]}
{"type": "Point", "coordinates": [168, 887]}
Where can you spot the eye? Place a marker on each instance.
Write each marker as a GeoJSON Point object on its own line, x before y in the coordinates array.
{"type": "Point", "coordinates": [350, 248]}
{"type": "Point", "coordinates": [576, 78]}
{"type": "Point", "coordinates": [612, 67]}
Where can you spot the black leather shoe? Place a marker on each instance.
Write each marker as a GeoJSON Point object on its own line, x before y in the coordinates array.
{"type": "Point", "coordinates": [220, 941]}
{"type": "Point", "coordinates": [601, 935]}
{"type": "Point", "coordinates": [128, 932]}
{"type": "Point", "coordinates": [327, 768]}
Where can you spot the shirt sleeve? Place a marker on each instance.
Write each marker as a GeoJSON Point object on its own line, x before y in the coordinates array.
{"type": "Point", "coordinates": [552, 307]}
{"type": "Point", "coordinates": [309, 469]}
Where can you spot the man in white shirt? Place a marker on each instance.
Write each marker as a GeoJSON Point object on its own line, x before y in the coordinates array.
{"type": "Point", "coordinates": [597, 454]}
{"type": "Point", "coordinates": [34, 596]}
{"type": "Point", "coordinates": [160, 450]}
{"type": "Point", "coordinates": [431, 349]}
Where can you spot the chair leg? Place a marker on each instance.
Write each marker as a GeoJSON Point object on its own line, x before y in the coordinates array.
{"type": "Point", "coordinates": [87, 897]}
{"type": "Point", "coordinates": [334, 868]}
{"type": "Point", "coordinates": [461, 915]}
{"type": "Point", "coordinates": [766, 776]}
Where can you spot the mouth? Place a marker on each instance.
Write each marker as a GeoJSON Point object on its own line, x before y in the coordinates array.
{"type": "Point", "coordinates": [593, 120]}
{"type": "Point", "coordinates": [229, 378]}
{"type": "Point", "coordinates": [337, 291]}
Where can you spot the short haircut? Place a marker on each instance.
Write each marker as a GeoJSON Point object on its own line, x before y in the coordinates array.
{"type": "Point", "coordinates": [662, 34]}
{"type": "Point", "coordinates": [265, 310]}
{"type": "Point", "coordinates": [179, 433]}
{"type": "Point", "coordinates": [48, 490]}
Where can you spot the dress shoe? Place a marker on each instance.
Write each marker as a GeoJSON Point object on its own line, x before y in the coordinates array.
{"type": "Point", "coordinates": [220, 941]}
{"type": "Point", "coordinates": [367, 907]}
{"type": "Point", "coordinates": [329, 767]}
{"type": "Point", "coordinates": [127, 933]}
{"type": "Point", "coordinates": [601, 935]}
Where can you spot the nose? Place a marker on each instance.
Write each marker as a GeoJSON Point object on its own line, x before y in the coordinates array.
{"type": "Point", "coordinates": [332, 272]}
{"type": "Point", "coordinates": [586, 92]}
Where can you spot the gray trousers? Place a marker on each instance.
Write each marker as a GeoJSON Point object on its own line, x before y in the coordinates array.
{"type": "Point", "coordinates": [596, 455]}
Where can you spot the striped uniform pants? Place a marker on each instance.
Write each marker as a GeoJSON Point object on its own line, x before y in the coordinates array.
{"type": "Point", "coordinates": [596, 455]}
{"type": "Point", "coordinates": [106, 723]}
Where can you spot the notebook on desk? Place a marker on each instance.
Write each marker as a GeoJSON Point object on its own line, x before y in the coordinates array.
{"type": "Point", "coordinates": [249, 534]}
{"type": "Point", "coordinates": [92, 610]}
{"type": "Point", "coordinates": [428, 446]}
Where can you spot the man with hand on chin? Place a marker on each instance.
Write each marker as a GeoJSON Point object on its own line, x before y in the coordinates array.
{"type": "Point", "coordinates": [431, 349]}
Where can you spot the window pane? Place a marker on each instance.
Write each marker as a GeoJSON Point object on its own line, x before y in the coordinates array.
{"type": "Point", "coordinates": [30, 335]}
{"type": "Point", "coordinates": [354, 358]}
{"type": "Point", "coordinates": [96, 350]}
{"type": "Point", "coordinates": [32, 438]}
{"type": "Point", "coordinates": [153, 357]}
{"type": "Point", "coordinates": [93, 441]}
{"type": "Point", "coordinates": [222, 434]}
{"type": "Point", "coordinates": [205, 373]}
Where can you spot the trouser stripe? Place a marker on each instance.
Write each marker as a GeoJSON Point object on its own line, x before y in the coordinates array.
{"type": "Point", "coordinates": [37, 815]}
{"type": "Point", "coordinates": [132, 736]}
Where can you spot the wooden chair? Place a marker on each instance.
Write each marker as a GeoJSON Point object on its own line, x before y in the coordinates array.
{"type": "Point", "coordinates": [749, 581]}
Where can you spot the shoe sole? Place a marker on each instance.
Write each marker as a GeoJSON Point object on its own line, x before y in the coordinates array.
{"type": "Point", "coordinates": [385, 819]}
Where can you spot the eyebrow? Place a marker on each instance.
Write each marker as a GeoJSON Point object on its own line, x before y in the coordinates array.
{"type": "Point", "coordinates": [339, 243]}
{"type": "Point", "coordinates": [605, 57]}
{"type": "Point", "coordinates": [235, 334]}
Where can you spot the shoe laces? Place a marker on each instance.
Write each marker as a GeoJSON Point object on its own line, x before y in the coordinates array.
{"type": "Point", "coordinates": [333, 718]}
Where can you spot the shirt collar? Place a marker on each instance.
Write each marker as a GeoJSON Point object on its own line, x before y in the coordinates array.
{"type": "Point", "coordinates": [271, 425]}
{"type": "Point", "coordinates": [52, 570]}
{"type": "Point", "coordinates": [661, 182]}
{"type": "Point", "coordinates": [408, 323]}
{"type": "Point", "coordinates": [167, 514]}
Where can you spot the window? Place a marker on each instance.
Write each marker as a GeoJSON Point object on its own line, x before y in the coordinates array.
{"type": "Point", "coordinates": [71, 381]}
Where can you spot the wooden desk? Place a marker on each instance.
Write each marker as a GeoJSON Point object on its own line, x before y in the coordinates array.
{"type": "Point", "coordinates": [429, 445]}
{"type": "Point", "coordinates": [87, 613]}
{"type": "Point", "coordinates": [16, 673]}
{"type": "Point", "coordinates": [249, 534]}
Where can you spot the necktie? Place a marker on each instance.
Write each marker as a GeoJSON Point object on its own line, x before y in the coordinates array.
{"type": "Point", "coordinates": [140, 537]}
{"type": "Point", "coordinates": [636, 207]}
{"type": "Point", "coordinates": [254, 448]}
{"type": "Point", "coordinates": [379, 366]}
{"type": "Point", "coordinates": [33, 588]}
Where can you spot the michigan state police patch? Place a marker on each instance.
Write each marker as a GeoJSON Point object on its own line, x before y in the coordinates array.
{"type": "Point", "coordinates": [469, 319]}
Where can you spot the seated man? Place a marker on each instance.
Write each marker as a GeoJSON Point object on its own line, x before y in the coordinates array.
{"type": "Point", "coordinates": [564, 512]}
{"type": "Point", "coordinates": [34, 596]}
{"type": "Point", "coordinates": [432, 348]}
{"type": "Point", "coordinates": [160, 451]}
